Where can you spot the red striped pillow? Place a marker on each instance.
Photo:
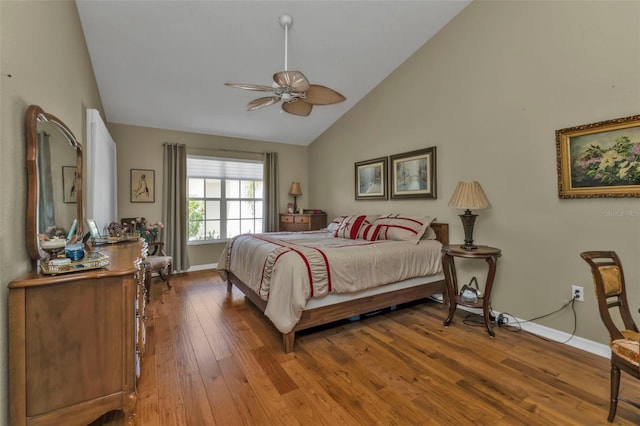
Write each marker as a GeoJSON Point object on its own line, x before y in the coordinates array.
{"type": "Point", "coordinates": [367, 228]}
{"type": "Point", "coordinates": [335, 224]}
{"type": "Point", "coordinates": [399, 227]}
{"type": "Point", "coordinates": [350, 227]}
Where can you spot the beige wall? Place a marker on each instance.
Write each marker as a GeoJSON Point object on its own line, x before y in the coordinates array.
{"type": "Point", "coordinates": [489, 91]}
{"type": "Point", "coordinates": [50, 67]}
{"type": "Point", "coordinates": [141, 148]}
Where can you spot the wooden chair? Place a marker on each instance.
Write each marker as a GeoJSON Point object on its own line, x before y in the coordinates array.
{"type": "Point", "coordinates": [156, 260]}
{"type": "Point", "coordinates": [609, 283]}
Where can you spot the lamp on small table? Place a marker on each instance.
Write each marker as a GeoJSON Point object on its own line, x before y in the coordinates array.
{"type": "Point", "coordinates": [468, 195]}
{"type": "Point", "coordinates": [295, 190]}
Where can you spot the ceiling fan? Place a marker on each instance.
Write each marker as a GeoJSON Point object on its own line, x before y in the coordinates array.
{"type": "Point", "coordinates": [298, 96]}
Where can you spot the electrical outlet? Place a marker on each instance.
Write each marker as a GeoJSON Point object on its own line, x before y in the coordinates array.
{"type": "Point", "coordinates": [577, 293]}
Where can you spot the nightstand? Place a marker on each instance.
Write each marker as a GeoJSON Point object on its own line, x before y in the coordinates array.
{"type": "Point", "coordinates": [302, 222]}
{"type": "Point", "coordinates": [490, 255]}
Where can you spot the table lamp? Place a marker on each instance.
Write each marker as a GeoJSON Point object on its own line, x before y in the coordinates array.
{"type": "Point", "coordinates": [468, 195]}
{"type": "Point", "coordinates": [295, 190]}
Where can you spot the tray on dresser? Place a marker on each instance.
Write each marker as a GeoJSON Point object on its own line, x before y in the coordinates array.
{"type": "Point", "coordinates": [92, 260]}
{"type": "Point", "coordinates": [118, 239]}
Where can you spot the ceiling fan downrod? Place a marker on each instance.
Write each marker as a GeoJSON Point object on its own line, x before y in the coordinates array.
{"type": "Point", "coordinates": [286, 22]}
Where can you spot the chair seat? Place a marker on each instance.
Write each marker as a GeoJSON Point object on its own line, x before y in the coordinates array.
{"type": "Point", "coordinates": [155, 263]}
{"type": "Point", "coordinates": [629, 350]}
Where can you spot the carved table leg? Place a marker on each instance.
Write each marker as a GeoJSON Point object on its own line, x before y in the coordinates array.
{"type": "Point", "coordinates": [449, 268]}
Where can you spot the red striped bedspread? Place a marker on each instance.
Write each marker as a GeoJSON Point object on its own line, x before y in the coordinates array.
{"type": "Point", "coordinates": [287, 269]}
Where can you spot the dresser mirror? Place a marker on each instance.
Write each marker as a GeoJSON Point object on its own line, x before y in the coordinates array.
{"type": "Point", "coordinates": [54, 181]}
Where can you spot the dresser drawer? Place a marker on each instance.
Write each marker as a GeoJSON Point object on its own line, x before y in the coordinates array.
{"type": "Point", "coordinates": [302, 222]}
{"type": "Point", "coordinates": [286, 218]}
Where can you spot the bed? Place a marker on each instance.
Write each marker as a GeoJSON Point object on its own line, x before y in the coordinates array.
{"type": "Point", "coordinates": [301, 280]}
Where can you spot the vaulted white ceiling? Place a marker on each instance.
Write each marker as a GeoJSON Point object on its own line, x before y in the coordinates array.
{"type": "Point", "coordinates": [163, 64]}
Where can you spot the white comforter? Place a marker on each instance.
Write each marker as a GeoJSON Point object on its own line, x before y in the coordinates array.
{"type": "Point", "coordinates": [286, 269]}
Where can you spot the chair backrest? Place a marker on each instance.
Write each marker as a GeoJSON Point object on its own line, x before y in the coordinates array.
{"type": "Point", "coordinates": [608, 280]}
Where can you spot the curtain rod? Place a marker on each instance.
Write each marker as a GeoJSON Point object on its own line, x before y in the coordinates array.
{"type": "Point", "coordinates": [238, 150]}
{"type": "Point", "coordinates": [218, 149]}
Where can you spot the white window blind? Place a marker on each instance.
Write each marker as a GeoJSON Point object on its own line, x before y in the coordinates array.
{"type": "Point", "coordinates": [222, 168]}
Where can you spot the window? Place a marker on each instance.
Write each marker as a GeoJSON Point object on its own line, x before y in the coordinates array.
{"type": "Point", "coordinates": [225, 198]}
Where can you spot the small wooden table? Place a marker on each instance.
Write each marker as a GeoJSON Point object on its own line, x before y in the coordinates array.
{"type": "Point", "coordinates": [491, 255]}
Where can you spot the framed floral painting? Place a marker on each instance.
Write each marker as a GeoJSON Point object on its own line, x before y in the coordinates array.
{"type": "Point", "coordinates": [599, 159]}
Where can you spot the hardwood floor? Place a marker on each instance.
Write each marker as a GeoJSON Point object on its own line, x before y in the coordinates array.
{"type": "Point", "coordinates": [213, 359]}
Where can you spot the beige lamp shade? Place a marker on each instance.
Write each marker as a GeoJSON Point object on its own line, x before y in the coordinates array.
{"type": "Point", "coordinates": [470, 196]}
{"type": "Point", "coordinates": [295, 189]}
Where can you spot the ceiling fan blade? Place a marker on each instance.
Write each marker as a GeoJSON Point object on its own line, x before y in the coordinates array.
{"type": "Point", "coordinates": [262, 102]}
{"type": "Point", "coordinates": [320, 95]}
{"type": "Point", "coordinates": [257, 87]}
{"type": "Point", "coordinates": [294, 79]}
{"type": "Point", "coordinates": [297, 108]}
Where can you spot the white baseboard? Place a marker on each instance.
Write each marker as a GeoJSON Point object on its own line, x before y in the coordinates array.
{"type": "Point", "coordinates": [202, 267]}
{"type": "Point", "coordinates": [548, 333]}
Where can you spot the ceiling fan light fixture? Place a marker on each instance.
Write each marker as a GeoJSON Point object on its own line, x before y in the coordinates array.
{"type": "Point", "coordinates": [291, 87]}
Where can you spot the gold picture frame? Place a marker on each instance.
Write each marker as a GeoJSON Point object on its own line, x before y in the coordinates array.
{"type": "Point", "coordinates": [599, 159]}
{"type": "Point", "coordinates": [143, 183]}
{"type": "Point", "coordinates": [371, 179]}
{"type": "Point", "coordinates": [413, 174]}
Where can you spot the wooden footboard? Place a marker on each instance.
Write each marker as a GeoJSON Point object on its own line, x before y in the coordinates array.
{"type": "Point", "coordinates": [326, 314]}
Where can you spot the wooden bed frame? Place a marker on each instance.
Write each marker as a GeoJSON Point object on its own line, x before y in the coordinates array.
{"type": "Point", "coordinates": [326, 314]}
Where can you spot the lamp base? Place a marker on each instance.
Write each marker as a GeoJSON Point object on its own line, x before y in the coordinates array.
{"type": "Point", "coordinates": [468, 220]}
{"type": "Point", "coordinates": [295, 204]}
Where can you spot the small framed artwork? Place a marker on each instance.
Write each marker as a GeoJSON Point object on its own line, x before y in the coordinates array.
{"type": "Point", "coordinates": [69, 182]}
{"type": "Point", "coordinates": [93, 229]}
{"type": "Point", "coordinates": [371, 179]}
{"type": "Point", "coordinates": [600, 159]}
{"type": "Point", "coordinates": [143, 186]}
{"type": "Point", "coordinates": [413, 174]}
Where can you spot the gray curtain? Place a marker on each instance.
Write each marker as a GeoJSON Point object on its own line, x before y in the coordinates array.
{"type": "Point", "coordinates": [271, 204]}
{"type": "Point", "coordinates": [46, 215]}
{"type": "Point", "coordinates": [174, 205]}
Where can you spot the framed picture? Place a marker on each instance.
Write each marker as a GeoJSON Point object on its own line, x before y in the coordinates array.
{"type": "Point", "coordinates": [143, 186]}
{"type": "Point", "coordinates": [599, 159]}
{"type": "Point", "coordinates": [93, 228]}
{"type": "Point", "coordinates": [69, 181]}
{"type": "Point", "coordinates": [371, 179]}
{"type": "Point", "coordinates": [413, 174]}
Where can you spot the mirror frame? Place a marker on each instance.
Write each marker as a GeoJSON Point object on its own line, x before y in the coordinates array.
{"type": "Point", "coordinates": [34, 115]}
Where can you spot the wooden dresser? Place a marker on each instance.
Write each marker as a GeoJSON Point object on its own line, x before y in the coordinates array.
{"type": "Point", "coordinates": [302, 222]}
{"type": "Point", "coordinates": [75, 341]}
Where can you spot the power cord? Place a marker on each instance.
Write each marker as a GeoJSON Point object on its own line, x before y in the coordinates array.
{"type": "Point", "coordinates": [504, 320]}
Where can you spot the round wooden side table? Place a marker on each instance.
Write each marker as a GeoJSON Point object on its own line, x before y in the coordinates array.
{"type": "Point", "coordinates": [490, 255]}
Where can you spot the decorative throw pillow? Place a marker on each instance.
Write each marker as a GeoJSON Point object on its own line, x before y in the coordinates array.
{"type": "Point", "coordinates": [429, 234]}
{"type": "Point", "coordinates": [400, 228]}
{"type": "Point", "coordinates": [350, 227]}
{"type": "Point", "coordinates": [367, 227]}
{"type": "Point", "coordinates": [335, 224]}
